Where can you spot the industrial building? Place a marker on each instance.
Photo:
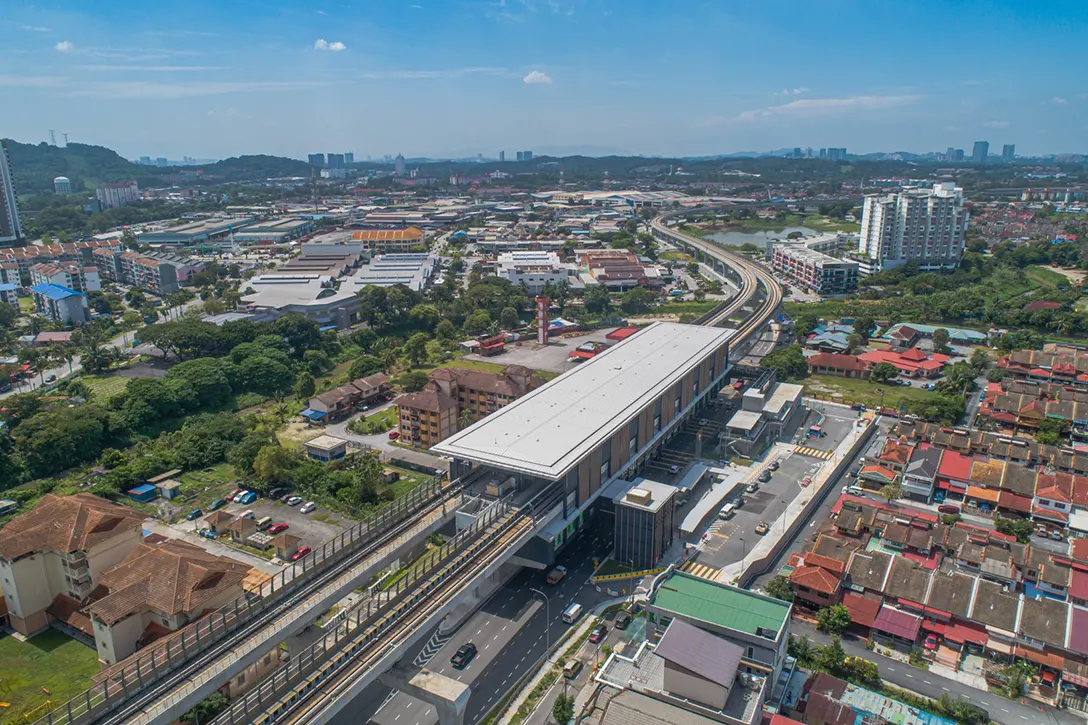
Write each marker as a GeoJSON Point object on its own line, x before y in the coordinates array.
{"type": "Point", "coordinates": [382, 241]}
{"type": "Point", "coordinates": [215, 231]}
{"type": "Point", "coordinates": [600, 422]}
{"type": "Point", "coordinates": [533, 270]}
{"type": "Point", "coordinates": [414, 270]}
{"type": "Point", "coordinates": [815, 271]}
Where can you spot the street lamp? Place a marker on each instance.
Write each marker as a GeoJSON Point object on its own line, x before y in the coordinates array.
{"type": "Point", "coordinates": [744, 555]}
{"type": "Point", "coordinates": [547, 620]}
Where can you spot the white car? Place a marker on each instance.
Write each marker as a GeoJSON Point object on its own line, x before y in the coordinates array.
{"type": "Point", "coordinates": [238, 497]}
{"type": "Point", "coordinates": [308, 507]}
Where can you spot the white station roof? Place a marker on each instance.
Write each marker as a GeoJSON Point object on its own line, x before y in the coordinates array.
{"type": "Point", "coordinates": [553, 428]}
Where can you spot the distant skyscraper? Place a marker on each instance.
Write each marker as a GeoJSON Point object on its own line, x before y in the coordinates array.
{"type": "Point", "coordinates": [317, 160]}
{"type": "Point", "coordinates": [950, 154]}
{"type": "Point", "coordinates": [349, 157]}
{"type": "Point", "coordinates": [796, 152]}
{"type": "Point", "coordinates": [959, 155]}
{"type": "Point", "coordinates": [335, 161]}
{"type": "Point", "coordinates": [823, 153]}
{"type": "Point", "coordinates": [62, 185]}
{"type": "Point", "coordinates": [399, 165]}
{"type": "Point", "coordinates": [161, 161]}
{"type": "Point", "coordinates": [11, 226]}
{"type": "Point", "coordinates": [502, 156]}
{"type": "Point", "coordinates": [1008, 152]}
{"type": "Point", "coordinates": [838, 154]}
{"type": "Point", "coordinates": [980, 152]}
{"type": "Point", "coordinates": [808, 152]}
{"type": "Point", "coordinates": [916, 224]}
{"type": "Point", "coordinates": [525, 155]}
{"type": "Point", "coordinates": [145, 161]}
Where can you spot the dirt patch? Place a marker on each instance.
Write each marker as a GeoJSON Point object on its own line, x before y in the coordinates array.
{"type": "Point", "coordinates": [295, 434]}
{"type": "Point", "coordinates": [1077, 275]}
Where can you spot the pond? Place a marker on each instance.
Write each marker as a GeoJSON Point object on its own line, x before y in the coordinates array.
{"type": "Point", "coordinates": [760, 239]}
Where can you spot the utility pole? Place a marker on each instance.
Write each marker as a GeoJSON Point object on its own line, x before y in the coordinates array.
{"type": "Point", "coordinates": [52, 138]}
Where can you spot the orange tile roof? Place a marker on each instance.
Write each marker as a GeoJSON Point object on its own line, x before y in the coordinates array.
{"type": "Point", "coordinates": [387, 235]}
{"type": "Point", "coordinates": [66, 524]}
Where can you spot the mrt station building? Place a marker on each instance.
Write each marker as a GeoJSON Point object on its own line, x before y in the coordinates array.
{"type": "Point", "coordinates": [596, 424]}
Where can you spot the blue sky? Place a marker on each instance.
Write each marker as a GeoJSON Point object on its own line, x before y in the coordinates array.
{"type": "Point", "coordinates": [442, 77]}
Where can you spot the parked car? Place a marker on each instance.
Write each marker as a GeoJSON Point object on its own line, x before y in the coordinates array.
{"type": "Point", "coordinates": [773, 466]}
{"type": "Point", "coordinates": [599, 632]}
{"type": "Point", "coordinates": [762, 527]}
{"type": "Point", "coordinates": [308, 507]}
{"type": "Point", "coordinates": [287, 497]}
{"type": "Point", "coordinates": [623, 620]}
{"type": "Point", "coordinates": [50, 378]}
{"type": "Point", "coordinates": [217, 504]}
{"type": "Point", "coordinates": [234, 493]}
{"type": "Point", "coordinates": [703, 421]}
{"type": "Point", "coordinates": [237, 498]}
{"type": "Point", "coordinates": [300, 552]}
{"type": "Point", "coordinates": [764, 476]}
{"type": "Point", "coordinates": [931, 642]}
{"type": "Point", "coordinates": [394, 434]}
{"type": "Point", "coordinates": [674, 469]}
{"type": "Point", "coordinates": [464, 654]}
{"type": "Point", "coordinates": [194, 515]}
{"type": "Point", "coordinates": [278, 528]}
{"type": "Point", "coordinates": [751, 488]}
{"type": "Point", "coordinates": [948, 509]}
{"type": "Point", "coordinates": [247, 497]}
{"type": "Point", "coordinates": [294, 501]}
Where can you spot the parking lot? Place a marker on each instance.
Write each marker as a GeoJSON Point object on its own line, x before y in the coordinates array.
{"type": "Point", "coordinates": [314, 528]}
{"type": "Point", "coordinates": [552, 356]}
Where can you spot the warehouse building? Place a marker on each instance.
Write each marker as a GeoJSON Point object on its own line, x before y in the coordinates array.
{"type": "Point", "coordinates": [595, 424]}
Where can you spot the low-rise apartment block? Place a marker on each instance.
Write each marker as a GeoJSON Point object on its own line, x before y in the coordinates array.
{"type": "Point", "coordinates": [815, 271]}
{"type": "Point", "coordinates": [66, 274]}
{"type": "Point", "coordinates": [57, 552]}
{"type": "Point", "coordinates": [61, 304]}
{"type": "Point", "coordinates": [456, 396]}
{"type": "Point", "coordinates": [115, 196]}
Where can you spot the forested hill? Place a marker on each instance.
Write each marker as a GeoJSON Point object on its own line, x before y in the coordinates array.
{"type": "Point", "coordinates": [36, 166]}
{"type": "Point", "coordinates": [87, 166]}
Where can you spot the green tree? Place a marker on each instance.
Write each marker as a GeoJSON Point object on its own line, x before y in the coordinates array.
{"type": "Point", "coordinates": [864, 326]}
{"type": "Point", "coordinates": [863, 672]}
{"type": "Point", "coordinates": [855, 343]}
{"type": "Point", "coordinates": [940, 340]}
{"type": "Point", "coordinates": [304, 386]}
{"type": "Point", "coordinates": [832, 657]}
{"type": "Point", "coordinates": [274, 465]}
{"type": "Point", "coordinates": [412, 381]}
{"type": "Point", "coordinates": [563, 709]}
{"type": "Point", "coordinates": [979, 359]}
{"type": "Point", "coordinates": [692, 268]}
{"type": "Point", "coordinates": [882, 372]}
{"type": "Point", "coordinates": [834, 619]}
{"type": "Point", "coordinates": [364, 365]}
{"type": "Point", "coordinates": [1022, 529]}
{"type": "Point", "coordinates": [779, 588]}
{"type": "Point", "coordinates": [636, 300]}
{"type": "Point", "coordinates": [995, 375]}
{"type": "Point", "coordinates": [478, 322]}
{"type": "Point", "coordinates": [699, 295]}
{"type": "Point", "coordinates": [508, 318]}
{"type": "Point", "coordinates": [243, 454]}
{"type": "Point", "coordinates": [788, 362]}
{"type": "Point", "coordinates": [891, 492]}
{"type": "Point", "coordinates": [265, 375]}
{"type": "Point", "coordinates": [206, 710]}
{"type": "Point", "coordinates": [1051, 431]}
{"type": "Point", "coordinates": [597, 299]}
{"type": "Point", "coordinates": [445, 331]}
{"type": "Point", "coordinates": [416, 348]}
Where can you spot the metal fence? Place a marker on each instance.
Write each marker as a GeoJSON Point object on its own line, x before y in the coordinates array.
{"type": "Point", "coordinates": [201, 642]}
{"type": "Point", "coordinates": [368, 622]}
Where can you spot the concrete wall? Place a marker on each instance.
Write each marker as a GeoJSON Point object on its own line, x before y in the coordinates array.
{"type": "Point", "coordinates": [26, 590]}
{"type": "Point", "coordinates": [684, 683]}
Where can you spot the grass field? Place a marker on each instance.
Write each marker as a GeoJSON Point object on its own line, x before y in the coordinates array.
{"type": "Point", "coordinates": [26, 305]}
{"type": "Point", "coordinates": [855, 390]}
{"type": "Point", "coordinates": [105, 387]}
{"type": "Point", "coordinates": [692, 306]}
{"type": "Point", "coordinates": [51, 660]}
{"type": "Point", "coordinates": [675, 255]}
{"type": "Point", "coordinates": [208, 484]}
{"type": "Point", "coordinates": [1047, 278]}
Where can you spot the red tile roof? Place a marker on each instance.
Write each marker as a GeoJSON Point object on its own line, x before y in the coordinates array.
{"type": "Point", "coordinates": [955, 466]}
{"type": "Point", "coordinates": [897, 623]}
{"type": "Point", "coordinates": [816, 578]}
{"type": "Point", "coordinates": [1078, 587]}
{"type": "Point", "coordinates": [863, 608]}
{"type": "Point", "coordinates": [833, 361]}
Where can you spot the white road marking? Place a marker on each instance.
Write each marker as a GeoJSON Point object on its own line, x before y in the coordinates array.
{"type": "Point", "coordinates": [946, 689]}
{"type": "Point", "coordinates": [909, 675]}
{"type": "Point", "coordinates": [1004, 710]}
{"type": "Point", "coordinates": [927, 682]}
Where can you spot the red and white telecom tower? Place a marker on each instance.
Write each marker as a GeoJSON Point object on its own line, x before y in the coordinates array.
{"type": "Point", "coordinates": [543, 307]}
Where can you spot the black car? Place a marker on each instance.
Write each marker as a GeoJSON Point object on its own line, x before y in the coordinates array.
{"type": "Point", "coordinates": [464, 654]}
{"type": "Point", "coordinates": [623, 620]}
{"type": "Point", "coordinates": [217, 504]}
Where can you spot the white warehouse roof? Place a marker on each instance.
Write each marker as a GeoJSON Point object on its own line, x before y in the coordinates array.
{"type": "Point", "coordinates": [553, 428]}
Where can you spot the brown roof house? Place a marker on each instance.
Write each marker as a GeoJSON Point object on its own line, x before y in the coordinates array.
{"type": "Point", "coordinates": [158, 589]}
{"type": "Point", "coordinates": [59, 549]}
{"type": "Point", "coordinates": [454, 396]}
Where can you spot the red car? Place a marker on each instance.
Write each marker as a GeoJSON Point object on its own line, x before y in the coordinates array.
{"type": "Point", "coordinates": [277, 528]}
{"type": "Point", "coordinates": [394, 434]}
{"type": "Point", "coordinates": [931, 642]}
{"type": "Point", "coordinates": [948, 509]}
{"type": "Point", "coordinates": [302, 551]}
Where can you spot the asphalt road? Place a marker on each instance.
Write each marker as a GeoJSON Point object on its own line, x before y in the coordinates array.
{"type": "Point", "coordinates": [933, 686]}
{"type": "Point", "coordinates": [511, 631]}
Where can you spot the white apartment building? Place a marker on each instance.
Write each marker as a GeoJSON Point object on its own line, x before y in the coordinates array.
{"type": "Point", "coordinates": [914, 225]}
{"type": "Point", "coordinates": [11, 227]}
{"type": "Point", "coordinates": [66, 274]}
{"type": "Point", "coordinates": [533, 270]}
{"type": "Point", "coordinates": [113, 196]}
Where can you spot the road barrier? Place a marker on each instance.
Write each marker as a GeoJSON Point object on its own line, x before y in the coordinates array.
{"type": "Point", "coordinates": [628, 575]}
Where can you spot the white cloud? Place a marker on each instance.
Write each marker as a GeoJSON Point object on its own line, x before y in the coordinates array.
{"type": "Point", "coordinates": [996, 124]}
{"type": "Point", "coordinates": [36, 29]}
{"type": "Point", "coordinates": [1057, 101]}
{"type": "Point", "coordinates": [810, 107]}
{"type": "Point", "coordinates": [64, 46]}
{"type": "Point", "coordinates": [537, 77]}
{"type": "Point", "coordinates": [952, 129]}
{"type": "Point", "coordinates": [333, 46]}
{"type": "Point", "coordinates": [9, 81]}
{"type": "Point", "coordinates": [793, 92]}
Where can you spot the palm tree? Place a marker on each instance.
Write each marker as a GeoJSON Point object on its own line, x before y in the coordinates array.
{"type": "Point", "coordinates": [465, 419]}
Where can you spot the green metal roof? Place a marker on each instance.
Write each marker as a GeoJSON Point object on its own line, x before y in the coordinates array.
{"type": "Point", "coordinates": [721, 605]}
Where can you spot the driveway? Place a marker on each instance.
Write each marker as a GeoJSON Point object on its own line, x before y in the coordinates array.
{"type": "Point", "coordinates": [381, 442]}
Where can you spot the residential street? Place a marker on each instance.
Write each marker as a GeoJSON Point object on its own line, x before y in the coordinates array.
{"type": "Point", "coordinates": [933, 686]}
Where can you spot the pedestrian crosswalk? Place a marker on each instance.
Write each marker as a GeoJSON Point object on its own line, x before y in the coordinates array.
{"type": "Point", "coordinates": [813, 452]}
{"type": "Point", "coordinates": [700, 570]}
